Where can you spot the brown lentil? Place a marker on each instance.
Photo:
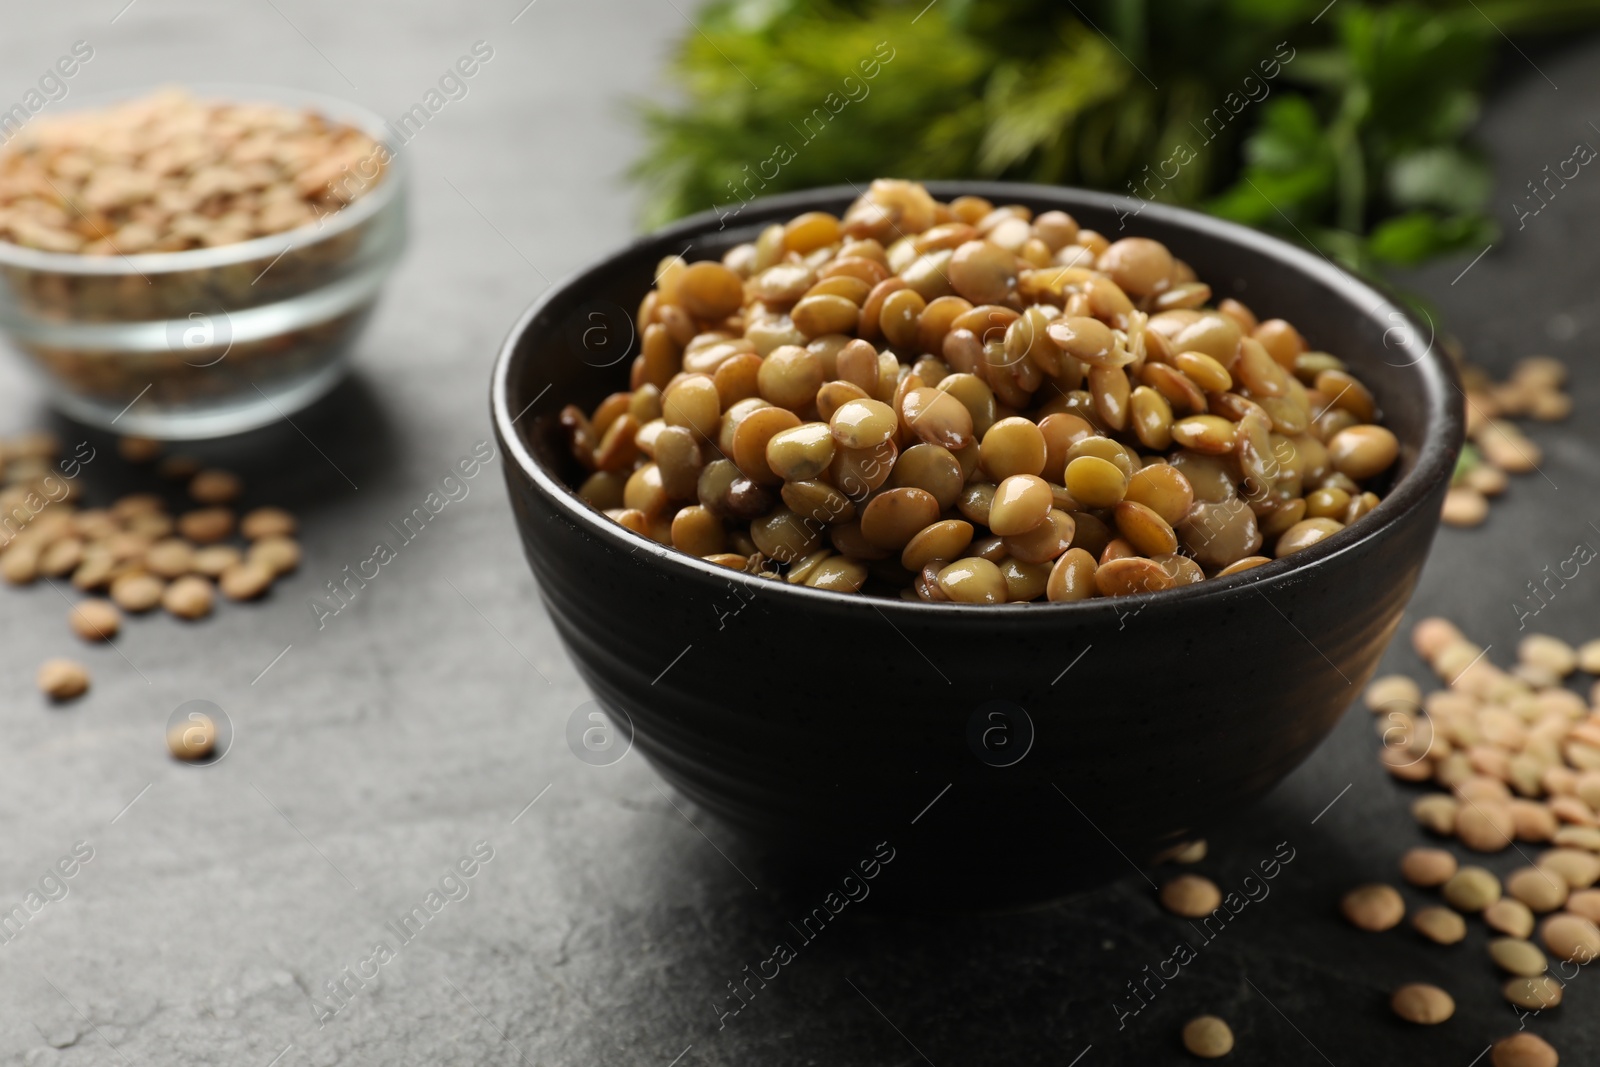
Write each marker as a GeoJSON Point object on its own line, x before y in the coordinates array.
{"type": "Point", "coordinates": [1535, 993]}
{"type": "Point", "coordinates": [1523, 1049]}
{"type": "Point", "coordinates": [267, 522]}
{"type": "Point", "coordinates": [245, 581]}
{"type": "Point", "coordinates": [189, 597]}
{"type": "Point", "coordinates": [1072, 577]}
{"type": "Point", "coordinates": [137, 592]}
{"type": "Point", "coordinates": [948, 354]}
{"type": "Point", "coordinates": [1571, 937]}
{"type": "Point", "coordinates": [95, 620]}
{"type": "Point", "coordinates": [1191, 896]}
{"type": "Point", "coordinates": [1423, 1004]}
{"type": "Point", "coordinates": [1485, 826]}
{"type": "Point", "coordinates": [1440, 925]}
{"type": "Point", "coordinates": [1578, 869]}
{"type": "Point", "coordinates": [62, 679]}
{"type": "Point", "coordinates": [973, 580]}
{"type": "Point", "coordinates": [1373, 907]}
{"type": "Point", "coordinates": [212, 560]}
{"type": "Point", "coordinates": [215, 487]}
{"type": "Point", "coordinates": [1517, 956]}
{"type": "Point", "coordinates": [1585, 902]}
{"type": "Point", "coordinates": [206, 526]}
{"type": "Point", "coordinates": [170, 558]}
{"type": "Point", "coordinates": [1471, 889]}
{"type": "Point", "coordinates": [1509, 917]}
{"type": "Point", "coordinates": [1207, 1037]}
{"type": "Point", "coordinates": [1540, 889]}
{"type": "Point", "coordinates": [1427, 867]}
{"type": "Point", "coordinates": [193, 738]}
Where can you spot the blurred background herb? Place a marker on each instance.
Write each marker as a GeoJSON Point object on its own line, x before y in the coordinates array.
{"type": "Point", "coordinates": [1345, 125]}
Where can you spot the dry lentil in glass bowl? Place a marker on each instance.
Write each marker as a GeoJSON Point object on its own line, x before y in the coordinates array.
{"type": "Point", "coordinates": [971, 402]}
{"type": "Point", "coordinates": [819, 724]}
{"type": "Point", "coordinates": [264, 262]}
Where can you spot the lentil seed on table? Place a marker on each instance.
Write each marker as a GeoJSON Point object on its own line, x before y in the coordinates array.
{"type": "Point", "coordinates": [131, 551]}
{"type": "Point", "coordinates": [839, 388]}
{"type": "Point", "coordinates": [1423, 1004]}
{"type": "Point", "coordinates": [62, 679]}
{"type": "Point", "coordinates": [1207, 1037]}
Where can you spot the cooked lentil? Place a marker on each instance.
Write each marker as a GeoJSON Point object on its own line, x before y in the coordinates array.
{"type": "Point", "coordinates": [870, 377]}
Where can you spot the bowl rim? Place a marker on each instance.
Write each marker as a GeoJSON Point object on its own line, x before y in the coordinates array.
{"type": "Point", "coordinates": [273, 244]}
{"type": "Point", "coordinates": [1436, 458]}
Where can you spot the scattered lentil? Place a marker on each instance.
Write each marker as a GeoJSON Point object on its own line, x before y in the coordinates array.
{"type": "Point", "coordinates": [1516, 956]}
{"type": "Point", "coordinates": [1423, 1004]}
{"type": "Point", "coordinates": [194, 738]}
{"type": "Point", "coordinates": [190, 597]}
{"type": "Point", "coordinates": [1207, 1037]}
{"type": "Point", "coordinates": [137, 592]}
{"type": "Point", "coordinates": [212, 560]}
{"type": "Point", "coordinates": [871, 377]}
{"type": "Point", "coordinates": [1571, 937]}
{"type": "Point", "coordinates": [1191, 896]}
{"type": "Point", "coordinates": [278, 554]}
{"type": "Point", "coordinates": [1540, 889]}
{"type": "Point", "coordinates": [1523, 1050]}
{"type": "Point", "coordinates": [1535, 993]}
{"type": "Point", "coordinates": [1510, 917]}
{"type": "Point", "coordinates": [95, 620]}
{"type": "Point", "coordinates": [206, 526]}
{"type": "Point", "coordinates": [1440, 925]}
{"type": "Point", "coordinates": [1427, 867]}
{"type": "Point", "coordinates": [1471, 889]}
{"type": "Point", "coordinates": [63, 679]}
{"type": "Point", "coordinates": [1496, 445]}
{"type": "Point", "coordinates": [1373, 907]}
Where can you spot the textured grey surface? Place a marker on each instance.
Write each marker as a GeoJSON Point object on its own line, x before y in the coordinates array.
{"type": "Point", "coordinates": [427, 715]}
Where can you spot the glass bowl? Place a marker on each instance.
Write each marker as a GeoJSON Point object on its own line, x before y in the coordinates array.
{"type": "Point", "coordinates": [210, 341]}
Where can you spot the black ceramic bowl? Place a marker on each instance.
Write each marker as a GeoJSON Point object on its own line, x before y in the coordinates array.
{"type": "Point", "coordinates": [995, 750]}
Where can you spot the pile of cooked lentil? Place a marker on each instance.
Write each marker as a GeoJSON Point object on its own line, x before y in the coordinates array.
{"type": "Point", "coordinates": [971, 403]}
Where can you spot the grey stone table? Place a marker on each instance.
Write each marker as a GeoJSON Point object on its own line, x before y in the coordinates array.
{"type": "Point", "coordinates": [410, 733]}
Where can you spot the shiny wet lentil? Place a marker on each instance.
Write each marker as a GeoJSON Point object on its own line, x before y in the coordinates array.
{"type": "Point", "coordinates": [878, 381]}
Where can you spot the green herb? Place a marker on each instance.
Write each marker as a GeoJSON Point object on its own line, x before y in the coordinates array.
{"type": "Point", "coordinates": [1343, 126]}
